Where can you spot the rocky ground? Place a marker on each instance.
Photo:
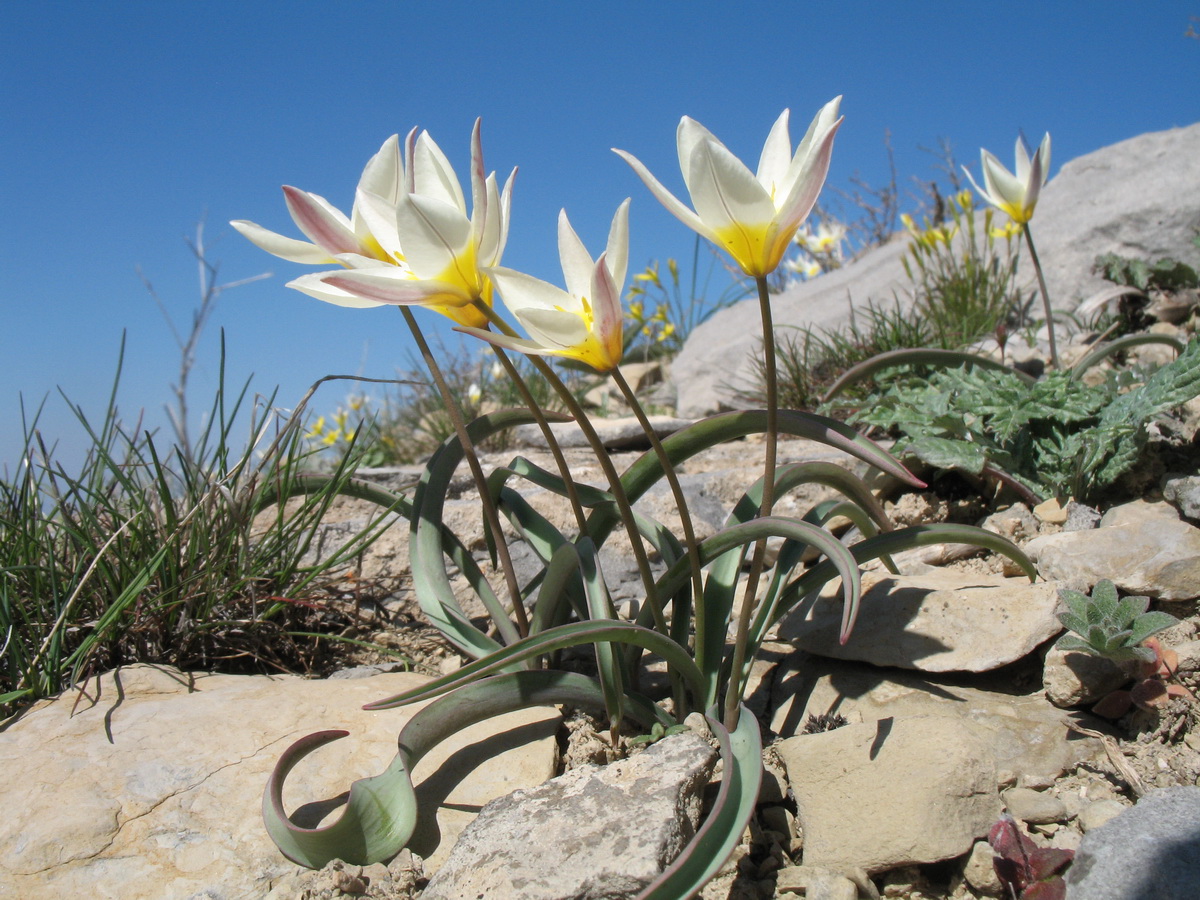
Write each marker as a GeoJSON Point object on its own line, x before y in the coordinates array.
{"type": "Point", "coordinates": [956, 654]}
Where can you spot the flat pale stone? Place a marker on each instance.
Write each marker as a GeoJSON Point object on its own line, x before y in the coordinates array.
{"type": "Point", "coordinates": [891, 793]}
{"type": "Point", "coordinates": [1025, 735]}
{"type": "Point", "coordinates": [937, 622]}
{"type": "Point", "coordinates": [148, 783]}
{"type": "Point", "coordinates": [1143, 548]}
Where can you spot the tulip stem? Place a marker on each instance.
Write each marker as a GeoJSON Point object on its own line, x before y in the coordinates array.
{"type": "Point", "coordinates": [491, 517]}
{"type": "Point", "coordinates": [610, 472]}
{"type": "Point", "coordinates": [733, 693]}
{"type": "Point", "coordinates": [548, 434]}
{"type": "Point", "coordinates": [1037, 267]}
{"type": "Point", "coordinates": [685, 518]}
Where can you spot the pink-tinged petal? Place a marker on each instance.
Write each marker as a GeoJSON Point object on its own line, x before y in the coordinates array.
{"type": "Point", "coordinates": [795, 207]}
{"type": "Point", "coordinates": [507, 342]}
{"type": "Point", "coordinates": [436, 234]}
{"type": "Point", "coordinates": [576, 262]}
{"type": "Point", "coordinates": [1043, 151]}
{"type": "Point", "coordinates": [824, 119]}
{"type": "Point", "coordinates": [283, 247]}
{"type": "Point", "coordinates": [434, 176]}
{"type": "Point", "coordinates": [617, 250]}
{"type": "Point", "coordinates": [724, 192]}
{"type": "Point", "coordinates": [313, 285]}
{"type": "Point", "coordinates": [1033, 186]}
{"type": "Point", "coordinates": [776, 154]}
{"type": "Point", "coordinates": [380, 286]}
{"type": "Point", "coordinates": [321, 222]}
{"type": "Point", "coordinates": [479, 195]}
{"type": "Point", "coordinates": [608, 316]}
{"type": "Point", "coordinates": [667, 199]}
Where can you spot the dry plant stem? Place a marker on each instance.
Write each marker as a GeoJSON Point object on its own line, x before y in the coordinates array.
{"type": "Point", "coordinates": [548, 434]}
{"type": "Point", "coordinates": [610, 472]}
{"type": "Point", "coordinates": [685, 517]}
{"type": "Point", "coordinates": [1037, 267]}
{"type": "Point", "coordinates": [733, 694]}
{"type": "Point", "coordinates": [491, 517]}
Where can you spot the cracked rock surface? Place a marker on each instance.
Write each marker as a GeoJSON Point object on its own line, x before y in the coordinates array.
{"type": "Point", "coordinates": [146, 784]}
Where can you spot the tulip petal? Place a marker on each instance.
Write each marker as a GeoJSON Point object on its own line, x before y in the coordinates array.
{"type": "Point", "coordinates": [384, 173]}
{"type": "Point", "coordinates": [522, 292]}
{"type": "Point", "coordinates": [313, 285]}
{"type": "Point", "coordinates": [776, 154]}
{"type": "Point", "coordinates": [508, 342]}
{"type": "Point", "coordinates": [803, 193]}
{"type": "Point", "coordinates": [607, 314]}
{"type": "Point", "coordinates": [576, 261]}
{"type": "Point", "coordinates": [436, 234]}
{"type": "Point", "coordinates": [479, 189]}
{"type": "Point", "coordinates": [724, 192]}
{"type": "Point", "coordinates": [284, 247]}
{"type": "Point", "coordinates": [1001, 184]}
{"type": "Point", "coordinates": [553, 327]}
{"type": "Point", "coordinates": [380, 285]}
{"type": "Point", "coordinates": [617, 251]}
{"type": "Point", "coordinates": [379, 215]}
{"type": "Point", "coordinates": [321, 222]}
{"type": "Point", "coordinates": [433, 176]}
{"type": "Point", "coordinates": [667, 199]}
{"type": "Point", "coordinates": [825, 117]}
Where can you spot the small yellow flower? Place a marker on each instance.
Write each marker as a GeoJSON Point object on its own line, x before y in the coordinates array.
{"type": "Point", "coordinates": [318, 428]}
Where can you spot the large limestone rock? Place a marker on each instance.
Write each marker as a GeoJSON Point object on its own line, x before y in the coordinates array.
{"type": "Point", "coordinates": [591, 834]}
{"type": "Point", "coordinates": [1150, 850]}
{"type": "Point", "coordinates": [939, 622]}
{"type": "Point", "coordinates": [891, 793]}
{"type": "Point", "coordinates": [1143, 548]}
{"type": "Point", "coordinates": [148, 782]}
{"type": "Point", "coordinates": [1134, 198]}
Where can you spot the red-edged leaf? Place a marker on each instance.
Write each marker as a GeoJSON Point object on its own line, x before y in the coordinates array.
{"type": "Point", "coordinates": [1114, 705]}
{"type": "Point", "coordinates": [1055, 889]}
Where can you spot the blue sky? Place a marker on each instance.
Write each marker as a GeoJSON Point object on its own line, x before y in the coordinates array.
{"type": "Point", "coordinates": [125, 122]}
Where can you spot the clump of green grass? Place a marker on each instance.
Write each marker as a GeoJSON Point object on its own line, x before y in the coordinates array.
{"type": "Point", "coordinates": [148, 553]}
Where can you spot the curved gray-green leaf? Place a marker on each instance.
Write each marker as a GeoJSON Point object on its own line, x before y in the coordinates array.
{"type": "Point", "coordinates": [574, 634]}
{"type": "Point", "coordinates": [721, 831]}
{"type": "Point", "coordinates": [381, 813]}
{"type": "Point", "coordinates": [1102, 352]}
{"type": "Point", "coordinates": [948, 359]}
{"type": "Point", "coordinates": [431, 583]}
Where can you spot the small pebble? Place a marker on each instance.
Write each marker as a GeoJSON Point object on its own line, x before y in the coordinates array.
{"type": "Point", "coordinates": [1099, 813]}
{"type": "Point", "coordinates": [1034, 807]}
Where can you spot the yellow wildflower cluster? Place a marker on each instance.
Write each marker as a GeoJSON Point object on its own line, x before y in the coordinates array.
{"type": "Point", "coordinates": [657, 327]}
{"type": "Point", "coordinates": [337, 429]}
{"type": "Point", "coordinates": [816, 250]}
